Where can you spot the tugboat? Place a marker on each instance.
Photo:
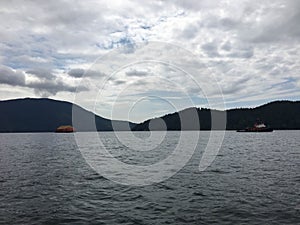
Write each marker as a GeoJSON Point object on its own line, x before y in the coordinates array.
{"type": "Point", "coordinates": [258, 127]}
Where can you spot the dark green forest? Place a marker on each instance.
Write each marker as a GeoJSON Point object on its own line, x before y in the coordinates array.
{"type": "Point", "coordinates": [279, 115]}
{"type": "Point", "coordinates": [45, 115]}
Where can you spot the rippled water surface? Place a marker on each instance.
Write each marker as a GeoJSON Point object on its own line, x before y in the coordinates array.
{"type": "Point", "coordinates": [255, 179]}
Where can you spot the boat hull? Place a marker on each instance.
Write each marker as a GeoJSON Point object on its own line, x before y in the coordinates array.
{"type": "Point", "coordinates": [256, 130]}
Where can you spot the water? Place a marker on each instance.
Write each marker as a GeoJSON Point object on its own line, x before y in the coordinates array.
{"type": "Point", "coordinates": [254, 179]}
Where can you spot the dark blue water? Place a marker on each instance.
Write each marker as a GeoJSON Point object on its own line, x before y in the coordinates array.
{"type": "Point", "coordinates": [255, 179]}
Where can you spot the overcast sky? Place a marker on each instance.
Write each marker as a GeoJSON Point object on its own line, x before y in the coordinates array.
{"type": "Point", "coordinates": [95, 53]}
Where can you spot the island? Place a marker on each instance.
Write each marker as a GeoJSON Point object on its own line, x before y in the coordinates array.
{"type": "Point", "coordinates": [65, 129]}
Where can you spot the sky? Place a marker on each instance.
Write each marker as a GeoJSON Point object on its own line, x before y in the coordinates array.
{"type": "Point", "coordinates": [134, 60]}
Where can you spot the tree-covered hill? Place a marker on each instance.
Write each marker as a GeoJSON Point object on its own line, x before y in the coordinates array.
{"type": "Point", "coordinates": [278, 115]}
{"type": "Point", "coordinates": [45, 115]}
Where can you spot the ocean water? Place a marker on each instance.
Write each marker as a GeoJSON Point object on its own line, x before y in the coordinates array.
{"type": "Point", "coordinates": [254, 179]}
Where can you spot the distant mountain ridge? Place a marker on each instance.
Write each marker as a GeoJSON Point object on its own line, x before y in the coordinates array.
{"type": "Point", "coordinates": [279, 115]}
{"type": "Point", "coordinates": [45, 115]}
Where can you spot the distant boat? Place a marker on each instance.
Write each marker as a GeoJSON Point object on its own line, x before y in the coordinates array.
{"type": "Point", "coordinates": [65, 129]}
{"type": "Point", "coordinates": [258, 127]}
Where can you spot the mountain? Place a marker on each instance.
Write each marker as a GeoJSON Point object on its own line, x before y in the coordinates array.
{"type": "Point", "coordinates": [45, 115]}
{"type": "Point", "coordinates": [278, 115]}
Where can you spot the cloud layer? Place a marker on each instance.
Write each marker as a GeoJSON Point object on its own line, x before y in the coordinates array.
{"type": "Point", "coordinates": [251, 47]}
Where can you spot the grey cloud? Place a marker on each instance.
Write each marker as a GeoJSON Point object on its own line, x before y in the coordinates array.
{"type": "Point", "coordinates": [211, 49]}
{"type": "Point", "coordinates": [119, 82]}
{"type": "Point", "coordinates": [32, 60]}
{"type": "Point", "coordinates": [61, 34]}
{"type": "Point", "coordinates": [242, 52]}
{"type": "Point", "coordinates": [256, 21]}
{"type": "Point", "coordinates": [46, 85]}
{"type": "Point", "coordinates": [56, 31]}
{"type": "Point", "coordinates": [77, 73]}
{"type": "Point", "coordinates": [41, 73]}
{"type": "Point", "coordinates": [48, 88]}
{"type": "Point", "coordinates": [94, 73]}
{"type": "Point", "coordinates": [278, 23]}
{"type": "Point", "coordinates": [236, 85]}
{"type": "Point", "coordinates": [59, 14]}
{"type": "Point", "coordinates": [226, 46]}
{"type": "Point", "coordinates": [215, 22]}
{"type": "Point", "coordinates": [190, 31]}
{"type": "Point", "coordinates": [11, 77]}
{"type": "Point", "coordinates": [231, 50]}
{"type": "Point", "coordinates": [134, 72]}
{"type": "Point", "coordinates": [195, 5]}
{"type": "Point", "coordinates": [231, 89]}
{"type": "Point", "coordinates": [141, 83]}
{"type": "Point", "coordinates": [228, 23]}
